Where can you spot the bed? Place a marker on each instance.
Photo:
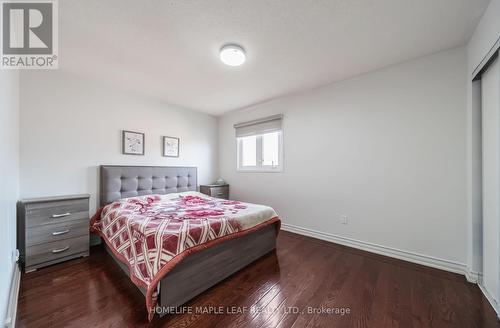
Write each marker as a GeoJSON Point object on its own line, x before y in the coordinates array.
{"type": "Point", "coordinates": [237, 235]}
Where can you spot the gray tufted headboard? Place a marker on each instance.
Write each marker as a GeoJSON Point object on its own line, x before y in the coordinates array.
{"type": "Point", "coordinates": [128, 181]}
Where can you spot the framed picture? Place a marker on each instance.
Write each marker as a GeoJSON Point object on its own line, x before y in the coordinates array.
{"type": "Point", "coordinates": [132, 143]}
{"type": "Point", "coordinates": [170, 147]}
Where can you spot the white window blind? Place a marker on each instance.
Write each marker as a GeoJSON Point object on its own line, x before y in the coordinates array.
{"type": "Point", "coordinates": [260, 126]}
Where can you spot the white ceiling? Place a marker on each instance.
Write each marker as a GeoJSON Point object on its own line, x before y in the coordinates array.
{"type": "Point", "coordinates": [169, 49]}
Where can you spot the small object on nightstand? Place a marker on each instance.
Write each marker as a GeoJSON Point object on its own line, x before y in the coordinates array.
{"type": "Point", "coordinates": [52, 230]}
{"type": "Point", "coordinates": [215, 190]}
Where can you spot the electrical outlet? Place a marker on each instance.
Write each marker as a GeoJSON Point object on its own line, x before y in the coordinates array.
{"type": "Point", "coordinates": [343, 219]}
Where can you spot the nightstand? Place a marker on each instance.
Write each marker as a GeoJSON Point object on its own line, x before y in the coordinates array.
{"type": "Point", "coordinates": [219, 191]}
{"type": "Point", "coordinates": [52, 229]}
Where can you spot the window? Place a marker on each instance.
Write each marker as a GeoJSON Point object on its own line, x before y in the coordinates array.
{"type": "Point", "coordinates": [261, 152]}
{"type": "Point", "coordinates": [270, 149]}
{"type": "Point", "coordinates": [249, 151]}
{"type": "Point", "coordinates": [260, 145]}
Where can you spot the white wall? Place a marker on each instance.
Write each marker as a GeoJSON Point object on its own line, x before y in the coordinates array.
{"type": "Point", "coordinates": [484, 37]}
{"type": "Point", "coordinates": [386, 149]}
{"type": "Point", "coordinates": [9, 179]}
{"type": "Point", "coordinates": [70, 126]}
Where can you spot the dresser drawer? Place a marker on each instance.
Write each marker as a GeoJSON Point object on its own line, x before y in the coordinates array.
{"type": "Point", "coordinates": [219, 192]}
{"type": "Point", "coordinates": [54, 212]}
{"type": "Point", "coordinates": [36, 221]}
{"type": "Point", "coordinates": [56, 250]}
{"type": "Point", "coordinates": [58, 231]}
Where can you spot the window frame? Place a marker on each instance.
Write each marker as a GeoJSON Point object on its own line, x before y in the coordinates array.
{"type": "Point", "coordinates": [258, 149]}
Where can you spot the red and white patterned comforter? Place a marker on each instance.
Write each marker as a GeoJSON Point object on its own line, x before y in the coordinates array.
{"type": "Point", "coordinates": [151, 234]}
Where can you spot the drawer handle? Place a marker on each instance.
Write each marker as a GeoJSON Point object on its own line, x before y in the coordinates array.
{"type": "Point", "coordinates": [220, 193]}
{"type": "Point", "coordinates": [57, 233]}
{"type": "Point", "coordinates": [59, 250]}
{"type": "Point", "coordinates": [55, 216]}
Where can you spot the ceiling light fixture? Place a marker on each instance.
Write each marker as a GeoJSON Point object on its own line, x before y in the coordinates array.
{"type": "Point", "coordinates": [232, 55]}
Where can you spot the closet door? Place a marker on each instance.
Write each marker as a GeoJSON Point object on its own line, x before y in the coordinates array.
{"type": "Point", "coordinates": [490, 98]}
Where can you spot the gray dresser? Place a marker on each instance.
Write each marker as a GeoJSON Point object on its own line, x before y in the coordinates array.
{"type": "Point", "coordinates": [52, 230]}
{"type": "Point", "coordinates": [219, 191]}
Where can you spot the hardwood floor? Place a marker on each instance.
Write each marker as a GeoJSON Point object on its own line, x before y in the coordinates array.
{"type": "Point", "coordinates": [303, 275]}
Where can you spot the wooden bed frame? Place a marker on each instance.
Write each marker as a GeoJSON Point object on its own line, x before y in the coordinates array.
{"type": "Point", "coordinates": [198, 271]}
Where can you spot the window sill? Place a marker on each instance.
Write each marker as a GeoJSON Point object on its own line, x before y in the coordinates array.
{"type": "Point", "coordinates": [280, 170]}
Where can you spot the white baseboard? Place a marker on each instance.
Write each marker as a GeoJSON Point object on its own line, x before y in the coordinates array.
{"type": "Point", "coordinates": [426, 260]}
{"type": "Point", "coordinates": [490, 299]}
{"type": "Point", "coordinates": [472, 276]}
{"type": "Point", "coordinates": [10, 318]}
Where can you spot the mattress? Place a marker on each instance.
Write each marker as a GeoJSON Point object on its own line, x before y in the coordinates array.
{"type": "Point", "coordinates": [248, 215]}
